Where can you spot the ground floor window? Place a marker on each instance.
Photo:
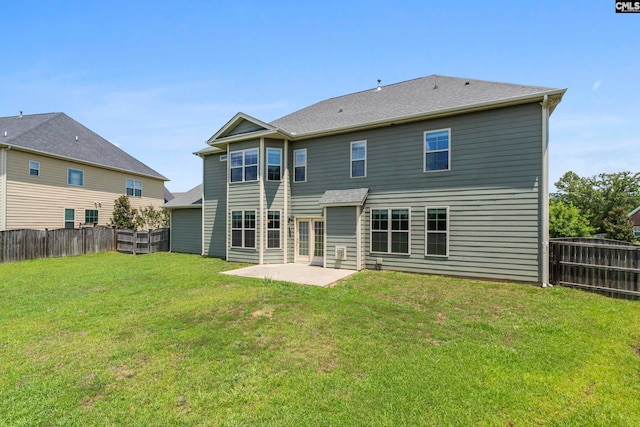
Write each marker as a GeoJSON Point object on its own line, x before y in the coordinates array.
{"type": "Point", "coordinates": [437, 231]}
{"type": "Point", "coordinates": [273, 230]}
{"type": "Point", "coordinates": [243, 229]}
{"type": "Point", "coordinates": [390, 231]}
{"type": "Point", "coordinates": [91, 216]}
{"type": "Point", "coordinates": [69, 218]}
{"type": "Point", "coordinates": [636, 231]}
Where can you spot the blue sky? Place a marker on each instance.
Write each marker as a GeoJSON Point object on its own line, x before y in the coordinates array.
{"type": "Point", "coordinates": [159, 78]}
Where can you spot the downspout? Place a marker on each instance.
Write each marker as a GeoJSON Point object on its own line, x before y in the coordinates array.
{"type": "Point", "coordinates": [3, 213]}
{"type": "Point", "coordinates": [201, 211]}
{"type": "Point", "coordinates": [358, 238]}
{"type": "Point", "coordinates": [544, 188]}
{"type": "Point", "coordinates": [261, 185]}
{"type": "Point", "coordinates": [227, 232]}
{"type": "Point", "coordinates": [285, 217]}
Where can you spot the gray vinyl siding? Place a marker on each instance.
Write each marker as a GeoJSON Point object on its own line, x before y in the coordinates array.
{"type": "Point", "coordinates": [215, 206]}
{"type": "Point", "coordinates": [244, 127]}
{"type": "Point", "coordinates": [186, 230]}
{"type": "Point", "coordinates": [491, 190]}
{"type": "Point", "coordinates": [340, 229]}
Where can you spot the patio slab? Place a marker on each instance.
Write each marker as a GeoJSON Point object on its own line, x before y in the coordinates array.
{"type": "Point", "coordinates": [295, 273]}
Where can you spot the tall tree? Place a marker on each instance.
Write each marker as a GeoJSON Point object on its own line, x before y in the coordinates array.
{"type": "Point", "coordinates": [123, 215]}
{"type": "Point", "coordinates": [618, 225]}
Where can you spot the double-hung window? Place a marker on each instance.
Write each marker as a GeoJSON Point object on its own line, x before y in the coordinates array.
{"type": "Point", "coordinates": [243, 229]}
{"type": "Point", "coordinates": [390, 231]}
{"type": "Point", "coordinates": [437, 231]}
{"type": "Point", "coordinates": [69, 218]}
{"type": "Point", "coordinates": [437, 150]}
{"type": "Point", "coordinates": [300, 165]}
{"type": "Point", "coordinates": [244, 165]}
{"type": "Point", "coordinates": [34, 168]}
{"type": "Point", "coordinates": [636, 232]}
{"type": "Point", "coordinates": [75, 177]}
{"type": "Point", "coordinates": [273, 229]}
{"type": "Point", "coordinates": [358, 159]}
{"type": "Point", "coordinates": [134, 188]}
{"type": "Point", "coordinates": [274, 164]}
{"type": "Point", "coordinates": [91, 216]}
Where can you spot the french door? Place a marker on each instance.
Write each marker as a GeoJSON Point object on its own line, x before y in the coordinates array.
{"type": "Point", "coordinates": [310, 241]}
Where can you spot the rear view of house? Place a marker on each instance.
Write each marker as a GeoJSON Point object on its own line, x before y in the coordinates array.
{"type": "Point", "coordinates": [56, 173]}
{"type": "Point", "coordinates": [436, 175]}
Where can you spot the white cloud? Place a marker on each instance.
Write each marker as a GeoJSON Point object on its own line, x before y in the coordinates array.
{"type": "Point", "coordinates": [597, 84]}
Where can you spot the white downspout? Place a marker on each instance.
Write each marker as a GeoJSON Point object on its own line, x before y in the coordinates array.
{"type": "Point", "coordinates": [358, 238]}
{"type": "Point", "coordinates": [284, 221]}
{"type": "Point", "coordinates": [262, 217]}
{"type": "Point", "coordinates": [544, 188]}
{"type": "Point", "coordinates": [227, 231]}
{"type": "Point", "coordinates": [3, 213]}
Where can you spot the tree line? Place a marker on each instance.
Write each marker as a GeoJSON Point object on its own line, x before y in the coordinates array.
{"type": "Point", "coordinates": [584, 206]}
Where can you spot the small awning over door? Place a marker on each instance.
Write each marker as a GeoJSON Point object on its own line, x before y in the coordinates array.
{"type": "Point", "coordinates": [352, 197]}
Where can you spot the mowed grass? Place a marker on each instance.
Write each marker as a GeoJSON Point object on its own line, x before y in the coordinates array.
{"type": "Point", "coordinates": [164, 339]}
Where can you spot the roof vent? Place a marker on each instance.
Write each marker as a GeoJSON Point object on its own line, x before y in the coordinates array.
{"type": "Point", "coordinates": [466, 83]}
{"type": "Point", "coordinates": [20, 113]}
{"type": "Point", "coordinates": [76, 137]}
{"type": "Point", "coordinates": [340, 110]}
{"type": "Point", "coordinates": [435, 86]}
{"type": "Point", "coordinates": [5, 133]}
{"type": "Point", "coordinates": [379, 88]}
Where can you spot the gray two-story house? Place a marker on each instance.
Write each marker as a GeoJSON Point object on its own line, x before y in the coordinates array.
{"type": "Point", "coordinates": [435, 175]}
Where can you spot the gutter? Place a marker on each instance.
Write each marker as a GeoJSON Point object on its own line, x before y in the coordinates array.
{"type": "Point", "coordinates": [544, 199]}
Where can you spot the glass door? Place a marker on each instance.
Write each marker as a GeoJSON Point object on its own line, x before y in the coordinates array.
{"type": "Point", "coordinates": [302, 241]}
{"type": "Point", "coordinates": [310, 241]}
{"type": "Point", "coordinates": [318, 243]}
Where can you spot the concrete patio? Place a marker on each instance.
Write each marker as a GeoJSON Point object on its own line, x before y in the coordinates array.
{"type": "Point", "coordinates": [295, 273]}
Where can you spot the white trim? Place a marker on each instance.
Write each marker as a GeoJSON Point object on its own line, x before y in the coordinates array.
{"type": "Point", "coordinates": [425, 151]}
{"type": "Point", "coordinates": [3, 191]}
{"type": "Point", "coordinates": [266, 235]}
{"type": "Point", "coordinates": [351, 159]}
{"type": "Point", "coordinates": [633, 212]}
{"type": "Point", "coordinates": [359, 237]}
{"type": "Point", "coordinates": [244, 163]}
{"type": "Point", "coordinates": [285, 240]}
{"type": "Point", "coordinates": [65, 217]}
{"type": "Point", "coordinates": [228, 215]}
{"type": "Point", "coordinates": [37, 168]}
{"type": "Point", "coordinates": [223, 158]}
{"type": "Point", "coordinates": [544, 199]}
{"type": "Point", "coordinates": [261, 224]}
{"type": "Point", "coordinates": [232, 123]}
{"type": "Point", "coordinates": [78, 170]}
{"type": "Point", "coordinates": [266, 170]}
{"type": "Point", "coordinates": [126, 187]}
{"type": "Point", "coordinates": [255, 228]}
{"type": "Point", "coordinates": [389, 231]}
{"type": "Point", "coordinates": [324, 239]}
{"type": "Point", "coordinates": [426, 231]}
{"type": "Point", "coordinates": [305, 165]}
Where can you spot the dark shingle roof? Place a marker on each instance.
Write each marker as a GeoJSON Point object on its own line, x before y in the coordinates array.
{"type": "Point", "coordinates": [192, 197]}
{"type": "Point", "coordinates": [55, 134]}
{"type": "Point", "coordinates": [422, 96]}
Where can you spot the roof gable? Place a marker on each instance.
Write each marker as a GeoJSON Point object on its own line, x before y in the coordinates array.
{"type": "Point", "coordinates": [190, 199]}
{"type": "Point", "coordinates": [58, 135]}
{"type": "Point", "coordinates": [241, 124]}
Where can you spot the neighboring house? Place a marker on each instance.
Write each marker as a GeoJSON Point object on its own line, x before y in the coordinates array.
{"type": "Point", "coordinates": [635, 219]}
{"type": "Point", "coordinates": [186, 221]}
{"type": "Point", "coordinates": [436, 175]}
{"type": "Point", "coordinates": [56, 173]}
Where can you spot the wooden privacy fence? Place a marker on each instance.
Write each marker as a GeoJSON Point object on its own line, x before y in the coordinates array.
{"type": "Point", "coordinates": [20, 245]}
{"type": "Point", "coordinates": [143, 242]}
{"type": "Point", "coordinates": [600, 265]}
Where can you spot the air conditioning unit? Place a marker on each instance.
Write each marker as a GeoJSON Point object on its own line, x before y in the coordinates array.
{"type": "Point", "coordinates": [341, 252]}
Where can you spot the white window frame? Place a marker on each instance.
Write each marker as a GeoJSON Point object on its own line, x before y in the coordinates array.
{"type": "Point", "coordinates": [279, 230]}
{"type": "Point", "coordinates": [72, 221]}
{"type": "Point", "coordinates": [447, 232]}
{"type": "Point", "coordinates": [133, 187]}
{"type": "Point", "coordinates": [244, 229]}
{"type": "Point", "coordinates": [69, 177]}
{"type": "Point", "coordinates": [636, 231]}
{"type": "Point", "coordinates": [279, 150]}
{"type": "Point", "coordinates": [35, 167]}
{"type": "Point", "coordinates": [425, 151]}
{"type": "Point", "coordinates": [389, 231]}
{"type": "Point", "coordinates": [364, 141]}
{"type": "Point", "coordinates": [244, 165]}
{"type": "Point", "coordinates": [302, 150]}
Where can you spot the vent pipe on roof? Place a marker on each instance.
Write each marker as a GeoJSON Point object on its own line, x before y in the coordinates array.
{"type": "Point", "coordinates": [20, 113]}
{"type": "Point", "coordinates": [379, 88]}
{"type": "Point", "coordinates": [5, 133]}
{"type": "Point", "coordinates": [76, 137]}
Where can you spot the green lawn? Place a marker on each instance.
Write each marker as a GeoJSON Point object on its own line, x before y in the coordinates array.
{"type": "Point", "coordinates": [164, 339]}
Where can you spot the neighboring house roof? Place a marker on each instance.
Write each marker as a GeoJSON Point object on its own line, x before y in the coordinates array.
{"type": "Point", "coordinates": [168, 196]}
{"type": "Point", "coordinates": [351, 197]}
{"type": "Point", "coordinates": [635, 211]}
{"type": "Point", "coordinates": [190, 199]}
{"type": "Point", "coordinates": [58, 135]}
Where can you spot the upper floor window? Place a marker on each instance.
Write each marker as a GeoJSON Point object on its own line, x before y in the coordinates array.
{"type": "Point", "coordinates": [437, 231]}
{"type": "Point", "coordinates": [274, 164]}
{"type": "Point", "coordinates": [300, 165]}
{"type": "Point", "coordinates": [34, 168]}
{"type": "Point", "coordinates": [390, 231]}
{"type": "Point", "coordinates": [75, 177]}
{"type": "Point", "coordinates": [134, 188]}
{"type": "Point", "coordinates": [437, 153]}
{"type": "Point", "coordinates": [244, 165]}
{"type": "Point", "coordinates": [358, 159]}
